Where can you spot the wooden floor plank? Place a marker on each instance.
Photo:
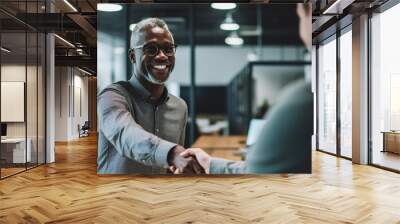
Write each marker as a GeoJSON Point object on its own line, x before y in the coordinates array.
{"type": "Point", "coordinates": [70, 191]}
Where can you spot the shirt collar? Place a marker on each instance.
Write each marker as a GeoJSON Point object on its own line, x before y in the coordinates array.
{"type": "Point", "coordinates": [145, 94]}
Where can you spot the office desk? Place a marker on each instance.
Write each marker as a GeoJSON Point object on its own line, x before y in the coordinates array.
{"type": "Point", "coordinates": [221, 146]}
{"type": "Point", "coordinates": [391, 141]}
{"type": "Point", "coordinates": [13, 150]}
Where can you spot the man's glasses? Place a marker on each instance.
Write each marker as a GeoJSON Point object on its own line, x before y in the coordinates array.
{"type": "Point", "coordinates": [152, 49]}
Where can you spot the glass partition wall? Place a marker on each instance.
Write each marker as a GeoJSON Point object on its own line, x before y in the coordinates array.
{"type": "Point", "coordinates": [22, 92]}
{"type": "Point", "coordinates": [334, 94]}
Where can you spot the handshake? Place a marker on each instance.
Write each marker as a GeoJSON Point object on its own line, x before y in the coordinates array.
{"type": "Point", "coordinates": [188, 161]}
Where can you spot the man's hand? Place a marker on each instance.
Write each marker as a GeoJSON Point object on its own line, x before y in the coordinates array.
{"type": "Point", "coordinates": [183, 164]}
{"type": "Point", "coordinates": [202, 157]}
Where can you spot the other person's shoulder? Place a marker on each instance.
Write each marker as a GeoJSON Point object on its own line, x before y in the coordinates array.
{"type": "Point", "coordinates": [298, 91]}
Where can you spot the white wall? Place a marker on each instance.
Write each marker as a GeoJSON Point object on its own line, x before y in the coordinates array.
{"type": "Point", "coordinates": [61, 103]}
{"type": "Point", "coordinates": [69, 81]}
{"type": "Point", "coordinates": [217, 65]}
{"type": "Point", "coordinates": [14, 72]}
{"type": "Point", "coordinates": [17, 72]}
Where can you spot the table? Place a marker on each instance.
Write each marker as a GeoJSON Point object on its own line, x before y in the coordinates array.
{"type": "Point", "coordinates": [221, 146]}
{"type": "Point", "coordinates": [13, 150]}
{"type": "Point", "coordinates": [391, 141]}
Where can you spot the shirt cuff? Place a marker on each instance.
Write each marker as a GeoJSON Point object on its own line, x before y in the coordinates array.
{"type": "Point", "coordinates": [218, 166]}
{"type": "Point", "coordinates": [161, 154]}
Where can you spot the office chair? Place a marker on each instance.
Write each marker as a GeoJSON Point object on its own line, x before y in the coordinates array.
{"type": "Point", "coordinates": [84, 130]}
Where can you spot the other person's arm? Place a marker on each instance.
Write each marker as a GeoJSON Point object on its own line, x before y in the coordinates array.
{"type": "Point", "coordinates": [214, 165]}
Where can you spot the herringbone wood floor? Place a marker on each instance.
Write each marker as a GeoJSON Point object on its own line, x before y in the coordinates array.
{"type": "Point", "coordinates": [69, 191]}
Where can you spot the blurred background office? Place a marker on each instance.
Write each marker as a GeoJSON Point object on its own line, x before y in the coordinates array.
{"type": "Point", "coordinates": [232, 60]}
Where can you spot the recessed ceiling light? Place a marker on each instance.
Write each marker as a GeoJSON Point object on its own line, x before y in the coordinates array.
{"type": "Point", "coordinates": [229, 26]}
{"type": "Point", "coordinates": [229, 23]}
{"type": "Point", "coordinates": [109, 7]}
{"type": "Point", "coordinates": [223, 6]}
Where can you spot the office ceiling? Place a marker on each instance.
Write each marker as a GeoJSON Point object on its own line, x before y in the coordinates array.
{"type": "Point", "coordinates": [332, 15]}
{"type": "Point", "coordinates": [279, 22]}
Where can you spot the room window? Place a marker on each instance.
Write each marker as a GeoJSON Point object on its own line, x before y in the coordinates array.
{"type": "Point", "coordinates": [385, 89]}
{"type": "Point", "coordinates": [327, 96]}
{"type": "Point", "coordinates": [346, 93]}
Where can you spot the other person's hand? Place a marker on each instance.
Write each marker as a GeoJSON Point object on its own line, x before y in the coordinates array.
{"type": "Point", "coordinates": [183, 164]}
{"type": "Point", "coordinates": [202, 157]}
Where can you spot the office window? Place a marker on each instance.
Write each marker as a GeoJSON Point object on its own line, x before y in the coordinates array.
{"type": "Point", "coordinates": [385, 87]}
{"type": "Point", "coordinates": [327, 96]}
{"type": "Point", "coordinates": [346, 94]}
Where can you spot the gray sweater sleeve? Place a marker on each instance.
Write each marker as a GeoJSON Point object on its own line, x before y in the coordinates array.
{"type": "Point", "coordinates": [225, 166]}
{"type": "Point", "coordinates": [129, 138]}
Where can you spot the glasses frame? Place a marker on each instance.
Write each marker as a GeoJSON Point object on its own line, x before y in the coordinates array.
{"type": "Point", "coordinates": [174, 46]}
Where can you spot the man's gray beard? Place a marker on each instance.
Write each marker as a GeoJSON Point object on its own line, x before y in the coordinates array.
{"type": "Point", "coordinates": [150, 78]}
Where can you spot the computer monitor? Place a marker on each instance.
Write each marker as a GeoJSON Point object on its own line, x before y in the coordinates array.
{"type": "Point", "coordinates": [210, 100]}
{"type": "Point", "coordinates": [256, 125]}
{"type": "Point", "coordinates": [3, 129]}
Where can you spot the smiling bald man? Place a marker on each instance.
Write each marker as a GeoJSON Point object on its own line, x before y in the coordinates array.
{"type": "Point", "coordinates": [142, 126]}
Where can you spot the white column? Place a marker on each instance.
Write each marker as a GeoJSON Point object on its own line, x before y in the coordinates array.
{"type": "Point", "coordinates": [50, 92]}
{"type": "Point", "coordinates": [50, 101]}
{"type": "Point", "coordinates": [360, 90]}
